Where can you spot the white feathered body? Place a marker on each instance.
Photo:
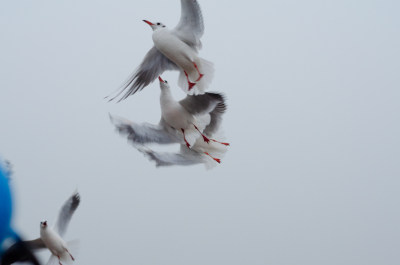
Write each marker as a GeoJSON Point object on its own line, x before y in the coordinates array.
{"type": "Point", "coordinates": [184, 56]}
{"type": "Point", "coordinates": [54, 243]}
{"type": "Point", "coordinates": [175, 49]}
{"type": "Point", "coordinates": [176, 116]}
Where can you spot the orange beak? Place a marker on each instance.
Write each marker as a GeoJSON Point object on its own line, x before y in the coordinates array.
{"type": "Point", "coordinates": [161, 80]}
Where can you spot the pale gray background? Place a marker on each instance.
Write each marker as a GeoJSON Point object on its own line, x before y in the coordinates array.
{"type": "Point", "coordinates": [312, 176]}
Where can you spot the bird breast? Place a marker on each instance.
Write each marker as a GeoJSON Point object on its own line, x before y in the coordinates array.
{"type": "Point", "coordinates": [173, 48]}
{"type": "Point", "coordinates": [53, 241]}
{"type": "Point", "coordinates": [176, 116]}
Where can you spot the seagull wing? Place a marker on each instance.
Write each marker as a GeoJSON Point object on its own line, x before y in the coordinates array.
{"type": "Point", "coordinates": [185, 157]}
{"type": "Point", "coordinates": [66, 212]}
{"type": "Point", "coordinates": [201, 104]}
{"type": "Point", "coordinates": [144, 132]}
{"type": "Point", "coordinates": [35, 244]}
{"type": "Point", "coordinates": [216, 117]}
{"type": "Point", "coordinates": [191, 26]}
{"type": "Point", "coordinates": [153, 65]}
{"type": "Point", "coordinates": [212, 103]}
{"type": "Point", "coordinates": [22, 251]}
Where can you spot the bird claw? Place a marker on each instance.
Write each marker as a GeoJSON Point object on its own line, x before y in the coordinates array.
{"type": "Point", "coordinates": [215, 159]}
{"type": "Point", "coordinates": [200, 77]}
{"type": "Point", "coordinates": [206, 139]}
{"type": "Point", "coordinates": [191, 85]}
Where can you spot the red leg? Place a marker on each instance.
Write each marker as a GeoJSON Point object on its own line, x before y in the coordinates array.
{"type": "Point", "coordinates": [227, 144]}
{"type": "Point", "coordinates": [200, 74]}
{"type": "Point", "coordinates": [216, 159]}
{"type": "Point", "coordinates": [184, 138]}
{"type": "Point", "coordinates": [205, 138]}
{"type": "Point", "coordinates": [70, 255]}
{"type": "Point", "coordinates": [59, 260]}
{"type": "Point", "coordinates": [191, 85]}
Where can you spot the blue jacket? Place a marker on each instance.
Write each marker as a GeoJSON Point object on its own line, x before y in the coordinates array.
{"type": "Point", "coordinates": [5, 207]}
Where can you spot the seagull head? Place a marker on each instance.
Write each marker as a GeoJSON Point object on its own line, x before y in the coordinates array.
{"type": "Point", "coordinates": [43, 224]}
{"type": "Point", "coordinates": [163, 83]}
{"type": "Point", "coordinates": [155, 26]}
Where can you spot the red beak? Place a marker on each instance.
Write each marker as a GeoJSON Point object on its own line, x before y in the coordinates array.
{"type": "Point", "coordinates": [148, 22]}
{"type": "Point", "coordinates": [161, 80]}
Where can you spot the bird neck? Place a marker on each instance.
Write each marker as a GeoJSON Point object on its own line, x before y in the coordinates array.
{"type": "Point", "coordinates": [166, 97]}
{"type": "Point", "coordinates": [166, 93]}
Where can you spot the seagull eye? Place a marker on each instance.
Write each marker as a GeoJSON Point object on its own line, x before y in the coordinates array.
{"type": "Point", "coordinates": [158, 24]}
{"type": "Point", "coordinates": [166, 81]}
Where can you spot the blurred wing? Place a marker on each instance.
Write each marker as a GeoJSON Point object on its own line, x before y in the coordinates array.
{"type": "Point", "coordinates": [22, 251]}
{"type": "Point", "coordinates": [191, 26]}
{"type": "Point", "coordinates": [185, 158]}
{"type": "Point", "coordinates": [144, 132]}
{"type": "Point", "coordinates": [153, 65]}
{"type": "Point", "coordinates": [35, 244]}
{"type": "Point", "coordinates": [201, 104]}
{"type": "Point", "coordinates": [66, 212]}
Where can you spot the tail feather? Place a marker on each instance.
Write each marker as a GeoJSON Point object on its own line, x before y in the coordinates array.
{"type": "Point", "coordinates": [53, 260]}
{"type": "Point", "coordinates": [214, 149]}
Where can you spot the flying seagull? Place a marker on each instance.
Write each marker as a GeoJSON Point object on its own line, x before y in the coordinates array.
{"type": "Point", "coordinates": [190, 122]}
{"type": "Point", "coordinates": [51, 237]}
{"type": "Point", "coordinates": [191, 115]}
{"type": "Point", "coordinates": [174, 49]}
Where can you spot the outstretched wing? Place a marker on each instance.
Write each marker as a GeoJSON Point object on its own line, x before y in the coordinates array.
{"type": "Point", "coordinates": [66, 212]}
{"type": "Point", "coordinates": [185, 157]}
{"type": "Point", "coordinates": [21, 251]}
{"type": "Point", "coordinates": [145, 132]}
{"type": "Point", "coordinates": [153, 65]}
{"type": "Point", "coordinates": [191, 26]}
{"type": "Point", "coordinates": [35, 244]}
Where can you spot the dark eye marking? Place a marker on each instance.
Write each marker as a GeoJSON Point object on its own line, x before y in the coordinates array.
{"type": "Point", "coordinates": [158, 24]}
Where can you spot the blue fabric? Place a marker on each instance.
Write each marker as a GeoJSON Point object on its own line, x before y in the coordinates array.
{"type": "Point", "coordinates": [5, 207]}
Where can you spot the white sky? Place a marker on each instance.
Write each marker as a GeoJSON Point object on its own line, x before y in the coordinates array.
{"type": "Point", "coordinates": [312, 176]}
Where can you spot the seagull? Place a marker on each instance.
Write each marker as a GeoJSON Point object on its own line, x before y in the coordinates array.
{"type": "Point", "coordinates": [181, 122]}
{"type": "Point", "coordinates": [175, 49]}
{"type": "Point", "coordinates": [51, 237]}
{"type": "Point", "coordinates": [190, 116]}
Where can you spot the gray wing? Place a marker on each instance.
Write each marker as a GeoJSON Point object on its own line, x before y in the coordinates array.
{"type": "Point", "coordinates": [184, 158]}
{"type": "Point", "coordinates": [35, 244]}
{"type": "Point", "coordinates": [216, 117]}
{"type": "Point", "coordinates": [152, 66]}
{"type": "Point", "coordinates": [212, 103]}
{"type": "Point", "coordinates": [191, 26]}
{"type": "Point", "coordinates": [145, 132]}
{"type": "Point", "coordinates": [21, 252]}
{"type": "Point", "coordinates": [66, 212]}
{"type": "Point", "coordinates": [200, 104]}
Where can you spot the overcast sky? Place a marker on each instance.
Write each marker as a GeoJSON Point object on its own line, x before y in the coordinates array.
{"type": "Point", "coordinates": [312, 174]}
